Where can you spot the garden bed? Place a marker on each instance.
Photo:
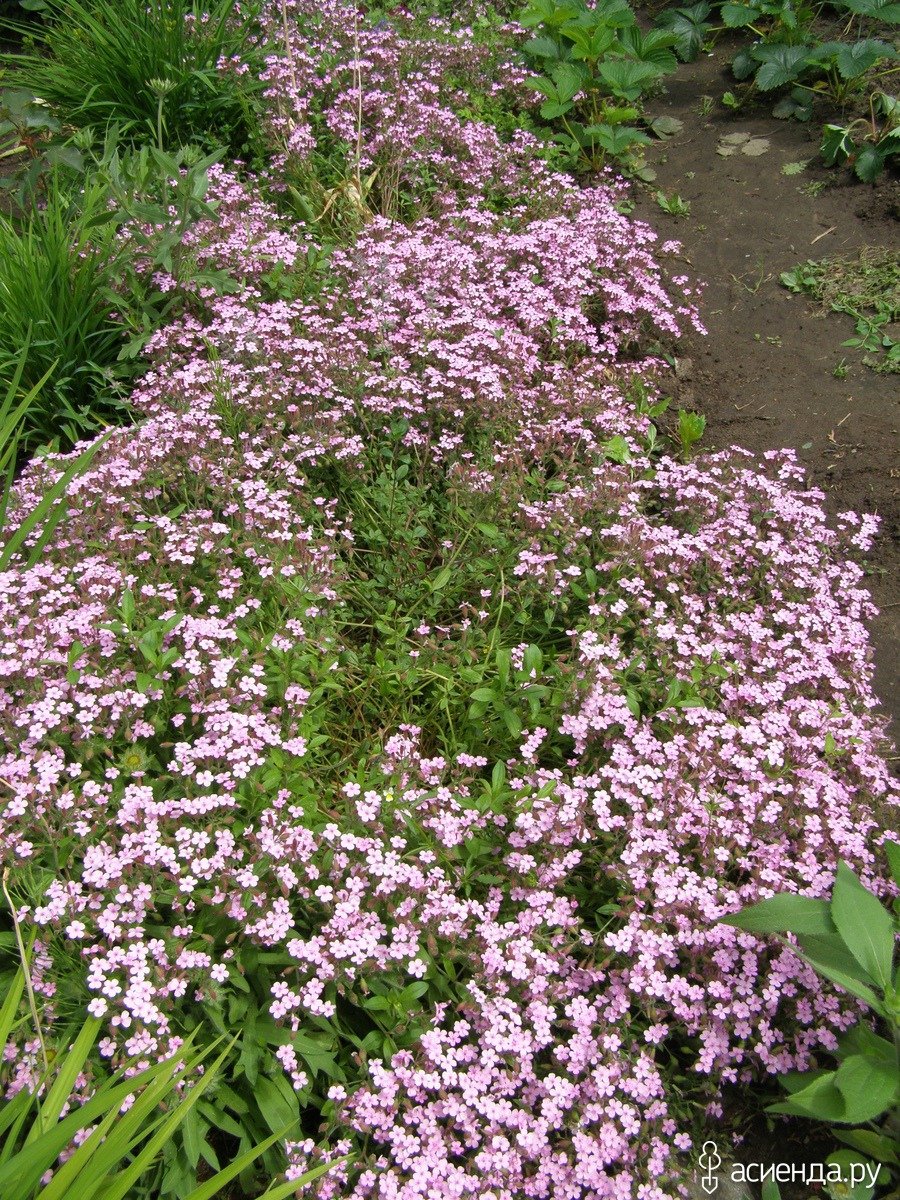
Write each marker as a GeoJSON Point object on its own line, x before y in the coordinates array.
{"type": "Point", "coordinates": [773, 371]}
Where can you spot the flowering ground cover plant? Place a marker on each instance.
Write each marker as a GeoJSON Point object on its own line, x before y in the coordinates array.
{"type": "Point", "coordinates": [394, 699]}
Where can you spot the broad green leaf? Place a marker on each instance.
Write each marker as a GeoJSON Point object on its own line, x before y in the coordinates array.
{"type": "Point", "coordinates": [277, 1101]}
{"type": "Point", "coordinates": [837, 145]}
{"type": "Point", "coordinates": [512, 721]}
{"type": "Point", "coordinates": [848, 1188]}
{"type": "Point", "coordinates": [742, 67]}
{"type": "Point", "coordinates": [821, 1100]}
{"type": "Point", "coordinates": [442, 578]}
{"type": "Point", "coordinates": [856, 58]}
{"type": "Point", "coordinates": [875, 1145]}
{"type": "Point", "coordinates": [892, 850]}
{"type": "Point", "coordinates": [654, 47]}
{"type": "Point", "coordinates": [735, 16]}
{"type": "Point", "coordinates": [614, 14]}
{"type": "Point", "coordinates": [569, 78]}
{"type": "Point", "coordinates": [628, 80]}
{"type": "Point", "coordinates": [616, 450]}
{"type": "Point", "coordinates": [864, 924]}
{"type": "Point", "coordinates": [542, 47]}
{"type": "Point", "coordinates": [590, 45]}
{"type": "Point", "coordinates": [552, 109]}
{"type": "Point", "coordinates": [869, 1087]}
{"type": "Point", "coordinates": [881, 10]}
{"type": "Point", "coordinates": [862, 1039]}
{"type": "Point", "coordinates": [796, 1081]}
{"type": "Point", "coordinates": [869, 163]}
{"type": "Point", "coordinates": [784, 914]}
{"type": "Point", "coordinates": [780, 65]}
{"type": "Point", "coordinates": [840, 967]}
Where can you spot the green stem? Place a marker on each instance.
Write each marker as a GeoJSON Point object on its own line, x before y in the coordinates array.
{"type": "Point", "coordinates": [26, 970]}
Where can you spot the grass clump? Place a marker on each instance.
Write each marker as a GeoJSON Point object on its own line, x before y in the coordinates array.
{"type": "Point", "coordinates": [60, 263]}
{"type": "Point", "coordinates": [868, 289]}
{"type": "Point", "coordinates": [149, 66]}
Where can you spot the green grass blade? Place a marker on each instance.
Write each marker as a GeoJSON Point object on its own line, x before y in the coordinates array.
{"type": "Point", "coordinates": [211, 1187]}
{"type": "Point", "coordinates": [71, 1068]}
{"type": "Point", "coordinates": [28, 1164]}
{"type": "Point", "coordinates": [12, 1118]}
{"type": "Point", "coordinates": [11, 1005]}
{"type": "Point", "coordinates": [281, 1191]}
{"type": "Point", "coordinates": [119, 1187]}
{"type": "Point", "coordinates": [132, 1127]}
{"type": "Point", "coordinates": [43, 509]}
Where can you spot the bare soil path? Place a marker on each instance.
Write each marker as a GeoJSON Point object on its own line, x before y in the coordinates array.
{"type": "Point", "coordinates": [764, 376]}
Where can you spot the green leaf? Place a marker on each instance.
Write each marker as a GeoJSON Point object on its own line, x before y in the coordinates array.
{"type": "Point", "coordinates": [781, 64]}
{"type": "Point", "coordinates": [837, 145]}
{"type": "Point", "coordinates": [865, 926]}
{"type": "Point", "coordinates": [614, 14]}
{"type": "Point", "coordinates": [691, 427]}
{"type": "Point", "coordinates": [11, 1005]}
{"type": "Point", "coordinates": [821, 1100]}
{"type": "Point", "coordinates": [875, 1145]}
{"type": "Point", "coordinates": [855, 59]}
{"type": "Point", "coordinates": [892, 850]}
{"type": "Point", "coordinates": [71, 1065]}
{"type": "Point", "coordinates": [490, 531]}
{"type": "Point", "coordinates": [616, 450]}
{"type": "Point", "coordinates": [690, 30]}
{"type": "Point", "coordinates": [592, 44]}
{"type": "Point", "coordinates": [504, 664]}
{"type": "Point", "coordinates": [654, 46]}
{"type": "Point", "coordinates": [797, 105]}
{"type": "Point", "coordinates": [784, 914]}
{"type": "Point", "coordinates": [834, 961]}
{"type": "Point", "coordinates": [869, 1087]}
{"type": "Point", "coordinates": [880, 10]}
{"type": "Point", "coordinates": [628, 80]}
{"type": "Point", "coordinates": [848, 1189]}
{"type": "Point", "coordinates": [735, 16]}
{"type": "Point", "coordinates": [551, 109]}
{"type": "Point", "coordinates": [512, 721]}
{"type": "Point", "coordinates": [277, 1101]}
{"type": "Point", "coordinates": [542, 47]}
{"type": "Point", "coordinates": [869, 163]}
{"type": "Point", "coordinates": [862, 1039]}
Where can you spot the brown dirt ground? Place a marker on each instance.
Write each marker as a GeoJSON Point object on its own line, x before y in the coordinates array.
{"type": "Point", "coordinates": [763, 377]}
